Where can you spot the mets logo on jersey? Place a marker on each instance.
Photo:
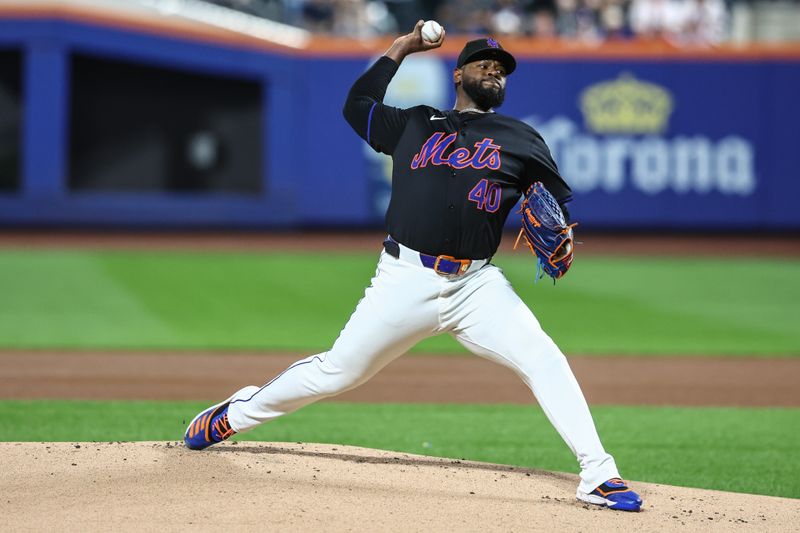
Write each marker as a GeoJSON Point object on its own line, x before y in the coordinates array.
{"type": "Point", "coordinates": [486, 154]}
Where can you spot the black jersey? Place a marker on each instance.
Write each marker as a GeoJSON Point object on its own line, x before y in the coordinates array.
{"type": "Point", "coordinates": [456, 175]}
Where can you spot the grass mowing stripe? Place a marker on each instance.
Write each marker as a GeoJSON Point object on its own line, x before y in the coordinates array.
{"type": "Point", "coordinates": [742, 450]}
{"type": "Point", "coordinates": [656, 305]}
{"type": "Point", "coordinates": [236, 300]}
{"type": "Point", "coordinates": [57, 299]}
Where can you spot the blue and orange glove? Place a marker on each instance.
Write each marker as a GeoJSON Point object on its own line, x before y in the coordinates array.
{"type": "Point", "coordinates": [546, 232]}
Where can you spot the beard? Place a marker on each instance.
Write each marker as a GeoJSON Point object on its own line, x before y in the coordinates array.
{"type": "Point", "coordinates": [485, 97]}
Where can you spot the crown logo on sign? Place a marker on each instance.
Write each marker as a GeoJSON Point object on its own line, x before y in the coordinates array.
{"type": "Point", "coordinates": [626, 105]}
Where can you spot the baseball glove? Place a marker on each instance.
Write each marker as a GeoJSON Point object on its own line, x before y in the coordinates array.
{"type": "Point", "coordinates": [546, 232]}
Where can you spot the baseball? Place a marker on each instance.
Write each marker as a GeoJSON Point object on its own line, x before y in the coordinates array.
{"type": "Point", "coordinates": [431, 31]}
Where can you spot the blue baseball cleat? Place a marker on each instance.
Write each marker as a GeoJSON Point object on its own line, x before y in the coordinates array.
{"type": "Point", "coordinates": [615, 494]}
{"type": "Point", "coordinates": [209, 427]}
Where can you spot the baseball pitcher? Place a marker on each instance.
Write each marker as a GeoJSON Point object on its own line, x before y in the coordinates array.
{"type": "Point", "coordinates": [456, 176]}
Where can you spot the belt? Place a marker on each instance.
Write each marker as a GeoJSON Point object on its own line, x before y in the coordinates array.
{"type": "Point", "coordinates": [444, 265]}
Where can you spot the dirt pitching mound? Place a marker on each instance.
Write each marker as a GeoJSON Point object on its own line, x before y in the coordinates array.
{"type": "Point", "coordinates": [313, 487]}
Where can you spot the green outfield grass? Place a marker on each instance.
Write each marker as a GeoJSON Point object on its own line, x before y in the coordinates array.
{"type": "Point", "coordinates": [742, 450]}
{"type": "Point", "coordinates": [266, 301]}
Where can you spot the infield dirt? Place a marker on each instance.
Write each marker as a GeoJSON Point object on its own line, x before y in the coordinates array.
{"type": "Point", "coordinates": [157, 486]}
{"type": "Point", "coordinates": [686, 381]}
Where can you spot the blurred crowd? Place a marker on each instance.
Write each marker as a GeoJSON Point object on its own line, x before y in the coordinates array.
{"type": "Point", "coordinates": [680, 21]}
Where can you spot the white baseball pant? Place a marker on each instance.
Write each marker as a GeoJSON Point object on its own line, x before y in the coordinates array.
{"type": "Point", "coordinates": [406, 303]}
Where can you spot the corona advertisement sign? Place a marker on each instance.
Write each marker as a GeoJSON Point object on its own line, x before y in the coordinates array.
{"type": "Point", "coordinates": [624, 141]}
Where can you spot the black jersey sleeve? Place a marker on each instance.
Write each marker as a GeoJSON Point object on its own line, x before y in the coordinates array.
{"type": "Point", "coordinates": [542, 167]}
{"type": "Point", "coordinates": [378, 124]}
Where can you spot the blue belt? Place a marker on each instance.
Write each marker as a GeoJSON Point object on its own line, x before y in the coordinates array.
{"type": "Point", "coordinates": [445, 264]}
{"type": "Point", "coordinates": [441, 264]}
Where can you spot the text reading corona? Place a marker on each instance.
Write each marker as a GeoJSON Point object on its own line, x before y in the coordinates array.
{"type": "Point", "coordinates": [486, 154]}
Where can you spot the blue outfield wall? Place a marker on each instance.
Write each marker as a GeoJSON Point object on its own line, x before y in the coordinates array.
{"type": "Point", "coordinates": [672, 144]}
{"type": "Point", "coordinates": [664, 144]}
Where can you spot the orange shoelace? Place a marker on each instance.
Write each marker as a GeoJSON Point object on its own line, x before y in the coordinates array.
{"type": "Point", "coordinates": [223, 427]}
{"type": "Point", "coordinates": [613, 490]}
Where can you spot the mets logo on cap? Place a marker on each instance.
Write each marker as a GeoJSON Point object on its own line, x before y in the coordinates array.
{"type": "Point", "coordinates": [486, 48]}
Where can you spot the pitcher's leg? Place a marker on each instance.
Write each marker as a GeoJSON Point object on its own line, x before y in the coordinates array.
{"type": "Point", "coordinates": [394, 314]}
{"type": "Point", "coordinates": [495, 323]}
